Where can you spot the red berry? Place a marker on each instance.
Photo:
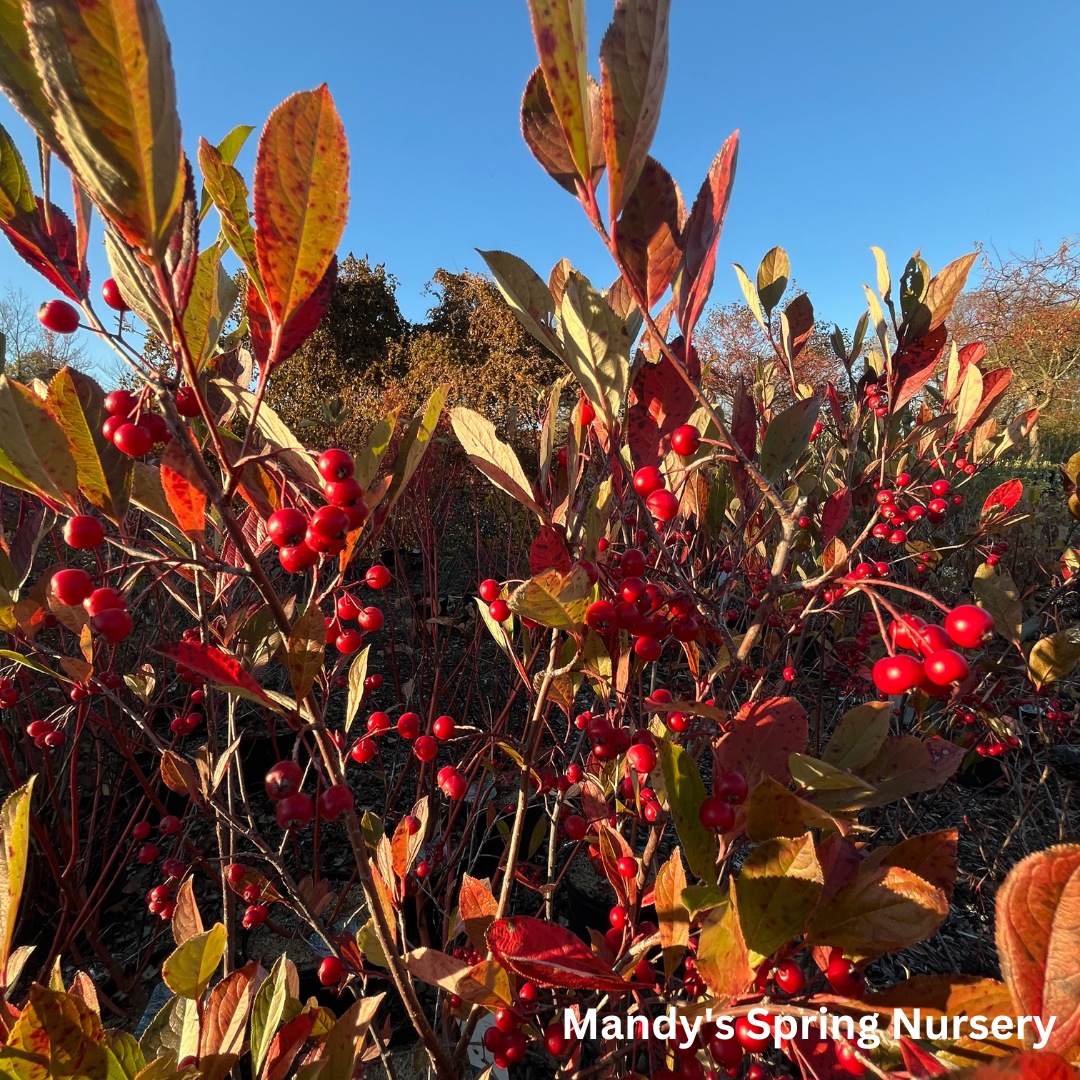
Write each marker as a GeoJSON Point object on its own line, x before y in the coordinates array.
{"type": "Point", "coordinates": [377, 577]}
{"type": "Point", "coordinates": [576, 826]}
{"type": "Point", "coordinates": [847, 1059]}
{"type": "Point", "coordinates": [499, 610]}
{"type": "Point", "coordinates": [452, 783]}
{"type": "Point", "coordinates": [255, 916]}
{"type": "Point", "coordinates": [789, 977]}
{"type": "Point", "coordinates": [71, 586]}
{"type": "Point", "coordinates": [169, 825]}
{"type": "Point", "coordinates": [102, 599]}
{"type": "Point", "coordinates": [370, 619]}
{"type": "Point", "coordinates": [297, 557]}
{"type": "Point", "coordinates": [174, 868]}
{"type": "Point", "coordinates": [156, 426]}
{"type": "Point", "coordinates": [727, 1053]}
{"type": "Point", "coordinates": [283, 779]}
{"type": "Point", "coordinates": [663, 504]}
{"type": "Point", "coordinates": [295, 811]}
{"type": "Point", "coordinates": [686, 440]}
{"type": "Point", "coordinates": [364, 750]}
{"type": "Point", "coordinates": [896, 674]}
{"type": "Point", "coordinates": [946, 666]}
{"type": "Point", "coordinates": [329, 524]}
{"type": "Point", "coordinates": [790, 674]}
{"type": "Point", "coordinates": [84, 532]}
{"type": "Point", "coordinates": [748, 1037]}
{"type": "Point", "coordinates": [108, 429]}
{"type": "Point", "coordinates": [845, 978]}
{"type": "Point", "coordinates": [731, 786]}
{"type": "Point", "coordinates": [647, 480]}
{"type": "Point", "coordinates": [187, 402]}
{"type": "Point", "coordinates": [346, 607]}
{"type": "Point", "coordinates": [58, 316]}
{"type": "Point", "coordinates": [408, 725]}
{"type": "Point", "coordinates": [113, 624]}
{"type": "Point", "coordinates": [627, 867]}
{"type": "Point", "coordinates": [642, 758]}
{"type": "Point", "coordinates": [716, 814]}
{"type": "Point", "coordinates": [110, 293]}
{"type": "Point", "coordinates": [235, 872]}
{"type": "Point", "coordinates": [930, 639]}
{"type": "Point", "coordinates": [335, 464]}
{"type": "Point", "coordinates": [490, 590]}
{"type": "Point", "coordinates": [343, 492]}
{"type": "Point", "coordinates": [648, 648]}
{"type": "Point", "coordinates": [378, 722]}
{"type": "Point", "coordinates": [348, 642]}
{"type": "Point", "coordinates": [286, 527]}
{"type": "Point", "coordinates": [132, 439]}
{"type": "Point", "coordinates": [426, 748]}
{"type": "Point", "coordinates": [120, 402]}
{"type": "Point", "coordinates": [602, 616]}
{"type": "Point", "coordinates": [141, 830]}
{"type": "Point", "coordinates": [330, 971]}
{"type": "Point", "coordinates": [147, 853]}
{"type": "Point", "coordinates": [897, 536]}
{"type": "Point", "coordinates": [507, 1020]}
{"type": "Point", "coordinates": [334, 801]}
{"type": "Point", "coordinates": [632, 562]}
{"type": "Point", "coordinates": [555, 1041]}
{"type": "Point", "coordinates": [969, 626]}
{"type": "Point", "coordinates": [940, 487]}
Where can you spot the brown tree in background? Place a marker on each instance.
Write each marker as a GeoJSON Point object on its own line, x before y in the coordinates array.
{"type": "Point", "coordinates": [1027, 311]}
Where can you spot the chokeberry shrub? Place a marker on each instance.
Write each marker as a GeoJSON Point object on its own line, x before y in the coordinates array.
{"type": "Point", "coordinates": [192, 710]}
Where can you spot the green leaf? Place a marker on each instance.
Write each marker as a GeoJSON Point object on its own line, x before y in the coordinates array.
{"type": "Point", "coordinates": [1054, 657]}
{"type": "Point", "coordinates": [19, 76]}
{"type": "Point", "coordinates": [858, 736]}
{"type": "Point", "coordinates": [357, 675]}
{"type": "Point", "coordinates": [14, 840]}
{"type": "Point", "coordinates": [175, 1031]}
{"type": "Point", "coordinates": [997, 592]}
{"type": "Point", "coordinates": [777, 890]}
{"type": "Point", "coordinates": [35, 454]}
{"type": "Point", "coordinates": [213, 295]}
{"type": "Point", "coordinates": [367, 465]}
{"type": "Point", "coordinates": [307, 650]}
{"type": "Point", "coordinates": [78, 404]}
{"type": "Point", "coordinates": [633, 65]}
{"type": "Point", "coordinates": [529, 298]}
{"type": "Point", "coordinates": [772, 278]}
{"type": "Point", "coordinates": [884, 279]}
{"type": "Point", "coordinates": [107, 71]}
{"type": "Point", "coordinates": [494, 458]}
{"type": "Point", "coordinates": [30, 662]}
{"type": "Point", "coordinates": [125, 1048]}
{"type": "Point", "coordinates": [228, 150]}
{"type": "Point", "coordinates": [753, 301]}
{"type": "Point", "coordinates": [229, 193]}
{"type": "Point", "coordinates": [597, 347]}
{"type": "Point", "coordinates": [829, 787]}
{"type": "Point", "coordinates": [188, 970]}
{"type": "Point", "coordinates": [685, 794]}
{"type": "Point", "coordinates": [17, 202]}
{"type": "Point", "coordinates": [267, 1012]}
{"type": "Point", "coordinates": [559, 30]}
{"type": "Point", "coordinates": [414, 444]}
{"type": "Point", "coordinates": [788, 436]}
{"type": "Point", "coordinates": [301, 198]}
{"type": "Point", "coordinates": [554, 599]}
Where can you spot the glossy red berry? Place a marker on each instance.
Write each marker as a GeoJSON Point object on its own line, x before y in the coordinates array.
{"type": "Point", "coordinates": [255, 915]}
{"type": "Point", "coordinates": [120, 402]}
{"type": "Point", "coordinates": [110, 293]}
{"type": "Point", "coordinates": [946, 666]}
{"type": "Point", "coordinates": [330, 971]}
{"type": "Point", "coordinates": [686, 440]}
{"type": "Point", "coordinates": [236, 872]}
{"type": "Point", "coordinates": [286, 527]}
{"type": "Point", "coordinates": [113, 624]}
{"type": "Point", "coordinates": [335, 464]}
{"type": "Point", "coordinates": [147, 853]}
{"type": "Point", "coordinates": [348, 642]}
{"type": "Point", "coordinates": [295, 811]}
{"type": "Point", "coordinates": [602, 616]}
{"type": "Point", "coordinates": [334, 801]}
{"type": "Point", "coordinates": [789, 977]}
{"type": "Point", "coordinates": [642, 758]}
{"type": "Point", "coordinates": [969, 626]}
{"type": "Point", "coordinates": [426, 748]}
{"type": "Point", "coordinates": [363, 751]}
{"type": "Point", "coordinates": [58, 316]}
{"type": "Point", "coordinates": [134, 440]}
{"type": "Point", "coordinates": [731, 786]}
{"type": "Point", "coordinates": [490, 590]}
{"type": "Point", "coordinates": [627, 867]}
{"type": "Point", "coordinates": [632, 562]}
{"type": "Point", "coordinates": [896, 674]}
{"type": "Point", "coordinates": [555, 1041]}
{"type": "Point", "coordinates": [452, 783]}
{"type": "Point", "coordinates": [663, 504]}
{"type": "Point", "coordinates": [848, 1059]}
{"type": "Point", "coordinates": [283, 779]}
{"type": "Point", "coordinates": [377, 577]}
{"type": "Point", "coordinates": [408, 725]}
{"type": "Point", "coordinates": [727, 1053]}
{"type": "Point", "coordinates": [576, 826]}
{"type": "Point", "coordinates": [169, 825]}
{"type": "Point", "coordinates": [716, 814]}
{"type": "Point", "coordinates": [845, 978]}
{"type": "Point", "coordinates": [647, 480]}
{"type": "Point", "coordinates": [297, 557]}
{"type": "Point", "coordinates": [71, 586]}
{"type": "Point", "coordinates": [370, 619]}
{"type": "Point", "coordinates": [648, 648]}
{"type": "Point", "coordinates": [141, 830]}
{"type": "Point", "coordinates": [499, 610]}
{"type": "Point", "coordinates": [748, 1037]}
{"type": "Point", "coordinates": [329, 524]}
{"type": "Point", "coordinates": [940, 487]}
{"type": "Point", "coordinates": [84, 532]}
{"type": "Point", "coordinates": [187, 402]}
{"type": "Point", "coordinates": [790, 674]}
{"type": "Point", "coordinates": [343, 492]}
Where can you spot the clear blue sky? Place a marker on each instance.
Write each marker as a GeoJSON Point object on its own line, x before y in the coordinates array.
{"type": "Point", "coordinates": [927, 126]}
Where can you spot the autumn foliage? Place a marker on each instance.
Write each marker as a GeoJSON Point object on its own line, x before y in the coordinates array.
{"type": "Point", "coordinates": [698, 673]}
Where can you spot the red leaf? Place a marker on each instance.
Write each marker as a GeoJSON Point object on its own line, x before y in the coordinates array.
{"type": "Point", "coordinates": [800, 315]}
{"type": "Point", "coordinates": [549, 955]}
{"type": "Point", "coordinates": [914, 365]}
{"type": "Point", "coordinates": [286, 1045]}
{"type": "Point", "coordinates": [835, 514]}
{"type": "Point", "coordinates": [1034, 1065]}
{"type": "Point", "coordinates": [995, 383]}
{"type": "Point", "coordinates": [835, 406]}
{"type": "Point", "coordinates": [549, 551]}
{"type": "Point", "coordinates": [45, 252]}
{"type": "Point", "coordinates": [660, 401]}
{"type": "Point", "coordinates": [214, 665]}
{"type": "Point", "coordinates": [298, 329]}
{"type": "Point", "coordinates": [920, 1063]}
{"type": "Point", "coordinates": [744, 420]}
{"type": "Point", "coordinates": [693, 281]}
{"type": "Point", "coordinates": [763, 735]}
{"type": "Point", "coordinates": [183, 491]}
{"type": "Point", "coordinates": [1002, 499]}
{"type": "Point", "coordinates": [974, 352]}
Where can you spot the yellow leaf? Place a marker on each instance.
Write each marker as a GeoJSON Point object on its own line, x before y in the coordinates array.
{"type": "Point", "coordinates": [307, 650]}
{"type": "Point", "coordinates": [671, 913]}
{"type": "Point", "coordinates": [188, 970]}
{"type": "Point", "coordinates": [14, 838]}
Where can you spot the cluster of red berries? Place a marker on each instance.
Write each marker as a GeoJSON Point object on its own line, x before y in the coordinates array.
{"type": "Point", "coordinates": [131, 427]}
{"type": "Point", "coordinates": [425, 747]}
{"type": "Point", "coordinates": [941, 664]}
{"type": "Point", "coordinates": [651, 484]}
{"type": "Point", "coordinates": [876, 398]}
{"type": "Point", "coordinates": [45, 733]}
{"type": "Point", "coordinates": [295, 808]}
{"type": "Point", "coordinates": [504, 1040]}
{"type": "Point", "coordinates": [729, 790]}
{"type": "Point", "coordinates": [898, 519]}
{"type": "Point", "coordinates": [301, 541]}
{"type": "Point", "coordinates": [369, 619]}
{"type": "Point", "coordinates": [257, 911]}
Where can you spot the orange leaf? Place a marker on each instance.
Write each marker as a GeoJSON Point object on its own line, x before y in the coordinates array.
{"type": "Point", "coordinates": [764, 734]}
{"type": "Point", "coordinates": [301, 198]}
{"type": "Point", "coordinates": [183, 491]}
{"type": "Point", "coordinates": [286, 1045]}
{"type": "Point", "coordinates": [1038, 939]}
{"type": "Point", "coordinates": [477, 908]}
{"type": "Point", "coordinates": [1031, 1066]}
